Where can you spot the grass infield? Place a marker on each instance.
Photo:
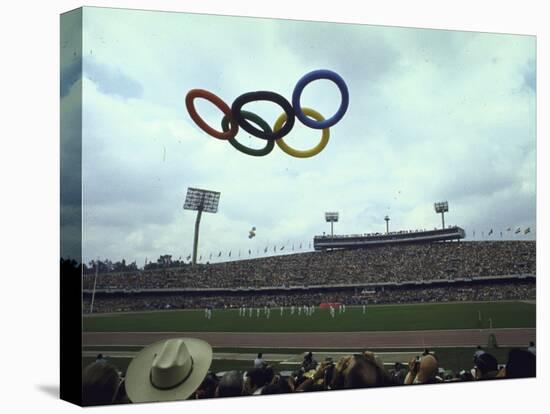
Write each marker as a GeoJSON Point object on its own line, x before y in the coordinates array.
{"type": "Point", "coordinates": [477, 315]}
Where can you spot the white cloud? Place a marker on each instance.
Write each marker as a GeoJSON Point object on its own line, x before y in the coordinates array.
{"type": "Point", "coordinates": [433, 115]}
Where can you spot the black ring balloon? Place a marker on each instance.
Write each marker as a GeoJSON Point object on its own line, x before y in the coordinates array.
{"type": "Point", "coordinates": [263, 96]}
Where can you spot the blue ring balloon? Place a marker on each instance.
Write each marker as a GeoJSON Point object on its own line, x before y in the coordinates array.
{"type": "Point", "coordinates": [299, 88]}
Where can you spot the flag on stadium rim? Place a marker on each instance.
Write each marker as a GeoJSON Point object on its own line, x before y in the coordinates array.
{"type": "Point", "coordinates": [300, 245]}
{"type": "Point", "coordinates": [509, 229]}
{"type": "Point", "coordinates": [249, 252]}
{"type": "Point", "coordinates": [189, 257]}
{"type": "Point", "coordinates": [265, 250]}
{"type": "Point", "coordinates": [282, 247]}
{"type": "Point", "coordinates": [518, 230]}
{"type": "Point", "coordinates": [490, 232]}
{"type": "Point", "coordinates": [211, 255]}
{"type": "Point", "coordinates": [527, 230]}
{"type": "Point", "coordinates": [219, 254]}
{"type": "Point", "coordinates": [229, 253]}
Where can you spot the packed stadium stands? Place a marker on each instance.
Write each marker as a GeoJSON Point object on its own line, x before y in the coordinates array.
{"type": "Point", "coordinates": [350, 241]}
{"type": "Point", "coordinates": [520, 290]}
{"type": "Point", "coordinates": [375, 265]}
{"type": "Point", "coordinates": [445, 271]}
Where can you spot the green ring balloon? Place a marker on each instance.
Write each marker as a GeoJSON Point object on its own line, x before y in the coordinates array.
{"type": "Point", "coordinates": [244, 149]}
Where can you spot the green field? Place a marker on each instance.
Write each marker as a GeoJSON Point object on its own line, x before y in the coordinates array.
{"type": "Point", "coordinates": [376, 318]}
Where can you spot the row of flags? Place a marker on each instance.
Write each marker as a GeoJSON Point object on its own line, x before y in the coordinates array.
{"type": "Point", "coordinates": [267, 249]}
{"type": "Point", "coordinates": [509, 229]}
{"type": "Point", "coordinates": [294, 247]}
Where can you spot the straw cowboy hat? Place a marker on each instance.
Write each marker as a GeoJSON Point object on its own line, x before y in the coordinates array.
{"type": "Point", "coordinates": [171, 369]}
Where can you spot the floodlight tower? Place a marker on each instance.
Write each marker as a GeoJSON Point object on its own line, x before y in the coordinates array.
{"type": "Point", "coordinates": [200, 200]}
{"type": "Point", "coordinates": [387, 218]}
{"type": "Point", "coordinates": [442, 207]}
{"type": "Point", "coordinates": [331, 217]}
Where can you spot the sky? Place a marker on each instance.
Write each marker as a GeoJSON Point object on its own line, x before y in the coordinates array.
{"type": "Point", "coordinates": [434, 115]}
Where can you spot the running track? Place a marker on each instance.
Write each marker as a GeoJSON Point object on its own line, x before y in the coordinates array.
{"type": "Point", "coordinates": [391, 339]}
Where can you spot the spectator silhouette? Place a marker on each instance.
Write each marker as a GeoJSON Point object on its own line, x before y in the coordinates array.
{"type": "Point", "coordinates": [486, 367]}
{"type": "Point", "coordinates": [521, 364]}
{"type": "Point", "coordinates": [230, 385]}
{"type": "Point", "coordinates": [102, 384]}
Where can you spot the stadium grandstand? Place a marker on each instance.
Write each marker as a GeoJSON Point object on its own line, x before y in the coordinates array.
{"type": "Point", "coordinates": [387, 239]}
{"type": "Point", "coordinates": [385, 272]}
{"type": "Point", "coordinates": [421, 312]}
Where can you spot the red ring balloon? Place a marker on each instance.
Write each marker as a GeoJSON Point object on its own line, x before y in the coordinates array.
{"type": "Point", "coordinates": [222, 106]}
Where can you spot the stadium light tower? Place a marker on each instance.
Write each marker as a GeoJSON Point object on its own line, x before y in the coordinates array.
{"type": "Point", "coordinates": [199, 201]}
{"type": "Point", "coordinates": [442, 208]}
{"type": "Point", "coordinates": [387, 218]}
{"type": "Point", "coordinates": [331, 217]}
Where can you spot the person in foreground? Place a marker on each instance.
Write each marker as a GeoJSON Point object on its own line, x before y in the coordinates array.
{"type": "Point", "coordinates": [177, 369]}
{"type": "Point", "coordinates": [102, 384]}
{"type": "Point", "coordinates": [168, 370]}
{"type": "Point", "coordinates": [423, 370]}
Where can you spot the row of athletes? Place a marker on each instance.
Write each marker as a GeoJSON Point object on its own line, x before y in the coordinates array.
{"type": "Point", "coordinates": [307, 310]}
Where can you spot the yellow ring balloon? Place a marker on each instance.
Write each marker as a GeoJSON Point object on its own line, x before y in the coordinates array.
{"type": "Point", "coordinates": [306, 153]}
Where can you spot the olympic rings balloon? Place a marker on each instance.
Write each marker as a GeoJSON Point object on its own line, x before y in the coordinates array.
{"type": "Point", "coordinates": [306, 153]}
{"type": "Point", "coordinates": [209, 96]}
{"type": "Point", "coordinates": [262, 96]}
{"type": "Point", "coordinates": [235, 116]}
{"type": "Point", "coordinates": [310, 77]}
{"type": "Point", "coordinates": [244, 149]}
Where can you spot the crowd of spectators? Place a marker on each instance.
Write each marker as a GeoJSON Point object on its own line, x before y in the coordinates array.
{"type": "Point", "coordinates": [434, 261]}
{"type": "Point", "coordinates": [466, 292]}
{"type": "Point", "coordinates": [104, 384]}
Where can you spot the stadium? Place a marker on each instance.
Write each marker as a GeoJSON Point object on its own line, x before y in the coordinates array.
{"type": "Point", "coordinates": [355, 122]}
{"type": "Point", "coordinates": [393, 297]}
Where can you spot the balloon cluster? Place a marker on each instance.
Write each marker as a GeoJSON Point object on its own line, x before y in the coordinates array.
{"type": "Point", "coordinates": [235, 117]}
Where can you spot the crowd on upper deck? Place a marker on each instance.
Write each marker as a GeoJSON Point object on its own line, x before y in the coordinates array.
{"type": "Point", "coordinates": [372, 265]}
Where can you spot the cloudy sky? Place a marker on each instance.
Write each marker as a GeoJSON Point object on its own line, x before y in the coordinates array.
{"type": "Point", "coordinates": [434, 115]}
